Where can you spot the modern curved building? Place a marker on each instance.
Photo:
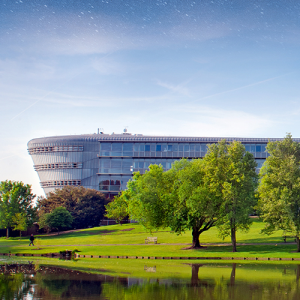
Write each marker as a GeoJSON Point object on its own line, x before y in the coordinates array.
{"type": "Point", "coordinates": [106, 162]}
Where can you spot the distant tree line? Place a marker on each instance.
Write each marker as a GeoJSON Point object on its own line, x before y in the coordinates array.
{"type": "Point", "coordinates": [221, 190]}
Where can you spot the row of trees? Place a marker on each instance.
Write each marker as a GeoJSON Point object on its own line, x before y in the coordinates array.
{"type": "Point", "coordinates": [69, 207]}
{"type": "Point", "coordinates": [218, 190]}
{"type": "Point", "coordinates": [221, 190]}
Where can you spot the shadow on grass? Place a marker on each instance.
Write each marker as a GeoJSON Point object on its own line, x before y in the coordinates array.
{"type": "Point", "coordinates": [265, 239]}
{"type": "Point", "coordinates": [252, 249]}
{"type": "Point", "coordinates": [84, 233]}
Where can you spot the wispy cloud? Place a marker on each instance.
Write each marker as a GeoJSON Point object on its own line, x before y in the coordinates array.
{"type": "Point", "coordinates": [242, 87]}
{"type": "Point", "coordinates": [207, 121]}
{"type": "Point", "coordinates": [177, 89]}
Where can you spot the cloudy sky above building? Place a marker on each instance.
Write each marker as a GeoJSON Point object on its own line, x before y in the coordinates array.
{"type": "Point", "coordinates": [189, 68]}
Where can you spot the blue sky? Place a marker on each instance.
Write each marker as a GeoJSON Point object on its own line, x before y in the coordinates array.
{"type": "Point", "coordinates": [191, 68]}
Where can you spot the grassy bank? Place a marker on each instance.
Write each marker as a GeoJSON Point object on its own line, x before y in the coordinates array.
{"type": "Point", "coordinates": [129, 240]}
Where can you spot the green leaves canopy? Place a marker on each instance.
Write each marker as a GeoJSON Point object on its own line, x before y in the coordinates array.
{"type": "Point", "coordinates": [231, 175]}
{"type": "Point", "coordinates": [279, 189]}
{"type": "Point", "coordinates": [58, 219]}
{"type": "Point", "coordinates": [15, 197]}
{"type": "Point", "coordinates": [85, 205]}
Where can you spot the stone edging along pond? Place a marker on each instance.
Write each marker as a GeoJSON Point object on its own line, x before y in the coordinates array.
{"type": "Point", "coordinates": [157, 257]}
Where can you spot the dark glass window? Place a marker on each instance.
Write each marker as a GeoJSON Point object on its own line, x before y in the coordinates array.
{"type": "Point", "coordinates": [258, 148]}
{"type": "Point", "coordinates": [158, 147]}
{"type": "Point", "coordinates": [203, 147]}
{"type": "Point", "coordinates": [103, 185]}
{"type": "Point", "coordinates": [147, 148]}
{"type": "Point", "coordinates": [105, 146]}
{"type": "Point", "coordinates": [116, 147]}
{"type": "Point", "coordinates": [127, 147]}
{"type": "Point", "coordinates": [170, 147]}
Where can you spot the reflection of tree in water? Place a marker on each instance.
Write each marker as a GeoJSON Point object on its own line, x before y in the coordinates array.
{"type": "Point", "coordinates": [49, 282]}
{"type": "Point", "coordinates": [199, 287]}
{"type": "Point", "coordinates": [59, 283]}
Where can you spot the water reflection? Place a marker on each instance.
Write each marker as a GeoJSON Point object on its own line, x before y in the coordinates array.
{"type": "Point", "coordinates": [206, 281]}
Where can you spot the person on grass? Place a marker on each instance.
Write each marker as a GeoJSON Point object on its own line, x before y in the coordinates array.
{"type": "Point", "coordinates": [31, 240]}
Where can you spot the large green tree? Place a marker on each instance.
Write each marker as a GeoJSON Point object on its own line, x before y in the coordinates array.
{"type": "Point", "coordinates": [19, 222]}
{"type": "Point", "coordinates": [279, 189]}
{"type": "Point", "coordinates": [145, 197]}
{"type": "Point", "coordinates": [178, 198]}
{"type": "Point", "coordinates": [15, 197]}
{"type": "Point", "coordinates": [85, 205]}
{"type": "Point", "coordinates": [231, 175]}
{"type": "Point", "coordinates": [191, 203]}
{"type": "Point", "coordinates": [58, 219]}
{"type": "Point", "coordinates": [117, 209]}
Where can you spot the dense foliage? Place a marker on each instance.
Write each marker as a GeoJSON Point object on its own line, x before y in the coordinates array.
{"type": "Point", "coordinates": [58, 219]}
{"type": "Point", "coordinates": [231, 176]}
{"type": "Point", "coordinates": [15, 198]}
{"type": "Point", "coordinates": [85, 205]}
{"type": "Point", "coordinates": [279, 190]}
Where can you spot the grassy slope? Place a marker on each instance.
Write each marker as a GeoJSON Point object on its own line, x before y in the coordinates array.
{"type": "Point", "coordinates": [131, 242]}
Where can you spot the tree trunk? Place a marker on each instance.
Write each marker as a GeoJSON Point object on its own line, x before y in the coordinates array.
{"type": "Point", "coordinates": [298, 243]}
{"type": "Point", "coordinates": [196, 234]}
{"type": "Point", "coordinates": [232, 276]}
{"type": "Point", "coordinates": [7, 232]}
{"type": "Point", "coordinates": [195, 270]}
{"type": "Point", "coordinates": [233, 236]}
{"type": "Point", "coordinates": [297, 273]}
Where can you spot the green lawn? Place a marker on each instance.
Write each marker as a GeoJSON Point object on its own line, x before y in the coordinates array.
{"type": "Point", "coordinates": [129, 240]}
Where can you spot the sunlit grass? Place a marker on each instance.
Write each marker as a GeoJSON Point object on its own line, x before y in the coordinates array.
{"type": "Point", "coordinates": [129, 239]}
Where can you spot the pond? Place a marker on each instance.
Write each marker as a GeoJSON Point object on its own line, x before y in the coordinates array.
{"type": "Point", "coordinates": [124, 279]}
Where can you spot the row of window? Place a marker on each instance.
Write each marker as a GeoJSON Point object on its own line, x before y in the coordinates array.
{"type": "Point", "coordinates": [167, 147]}
{"type": "Point", "coordinates": [58, 183]}
{"type": "Point", "coordinates": [64, 148]}
{"type": "Point", "coordinates": [255, 148]}
{"type": "Point", "coordinates": [177, 154]}
{"type": "Point", "coordinates": [68, 165]}
{"type": "Point", "coordinates": [137, 147]}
